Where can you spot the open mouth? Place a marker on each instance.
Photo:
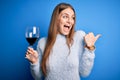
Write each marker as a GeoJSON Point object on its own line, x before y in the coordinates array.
{"type": "Point", "coordinates": [68, 27]}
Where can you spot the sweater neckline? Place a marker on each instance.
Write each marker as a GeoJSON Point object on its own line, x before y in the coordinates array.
{"type": "Point", "coordinates": [59, 36]}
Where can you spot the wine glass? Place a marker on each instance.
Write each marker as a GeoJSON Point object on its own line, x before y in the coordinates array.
{"type": "Point", "coordinates": [32, 34]}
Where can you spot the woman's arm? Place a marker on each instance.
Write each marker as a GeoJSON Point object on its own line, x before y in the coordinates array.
{"type": "Point", "coordinates": [87, 55]}
{"type": "Point", "coordinates": [36, 68]}
{"type": "Point", "coordinates": [86, 62]}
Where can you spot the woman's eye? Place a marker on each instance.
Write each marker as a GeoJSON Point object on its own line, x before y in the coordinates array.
{"type": "Point", "coordinates": [64, 16]}
{"type": "Point", "coordinates": [73, 18]}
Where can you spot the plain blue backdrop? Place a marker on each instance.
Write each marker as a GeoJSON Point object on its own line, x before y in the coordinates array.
{"type": "Point", "coordinates": [98, 16]}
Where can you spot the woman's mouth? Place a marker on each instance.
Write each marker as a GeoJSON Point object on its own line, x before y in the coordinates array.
{"type": "Point", "coordinates": [67, 28]}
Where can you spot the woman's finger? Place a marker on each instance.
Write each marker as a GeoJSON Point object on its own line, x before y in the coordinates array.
{"type": "Point", "coordinates": [29, 52]}
{"type": "Point", "coordinates": [91, 33]}
{"type": "Point", "coordinates": [99, 35]}
{"type": "Point", "coordinates": [31, 58]}
{"type": "Point", "coordinates": [31, 49]}
{"type": "Point", "coordinates": [28, 56]}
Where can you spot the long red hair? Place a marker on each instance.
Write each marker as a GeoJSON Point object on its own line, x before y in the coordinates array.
{"type": "Point", "coordinates": [53, 33]}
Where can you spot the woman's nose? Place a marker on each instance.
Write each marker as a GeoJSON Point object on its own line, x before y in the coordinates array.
{"type": "Point", "coordinates": [69, 20]}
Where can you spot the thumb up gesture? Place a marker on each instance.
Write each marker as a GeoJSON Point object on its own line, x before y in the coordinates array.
{"type": "Point", "coordinates": [90, 39]}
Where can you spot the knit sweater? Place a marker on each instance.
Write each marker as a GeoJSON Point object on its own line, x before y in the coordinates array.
{"type": "Point", "coordinates": [64, 63]}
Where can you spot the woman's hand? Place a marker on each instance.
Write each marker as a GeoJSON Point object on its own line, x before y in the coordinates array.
{"type": "Point", "coordinates": [32, 55]}
{"type": "Point", "coordinates": [90, 39]}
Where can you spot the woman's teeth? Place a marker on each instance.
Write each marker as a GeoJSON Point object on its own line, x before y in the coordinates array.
{"type": "Point", "coordinates": [67, 26]}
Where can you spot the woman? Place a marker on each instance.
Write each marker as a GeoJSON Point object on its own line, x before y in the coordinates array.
{"type": "Point", "coordinates": [64, 54]}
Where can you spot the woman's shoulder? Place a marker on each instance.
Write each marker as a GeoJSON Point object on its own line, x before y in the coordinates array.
{"type": "Point", "coordinates": [80, 33]}
{"type": "Point", "coordinates": [79, 36]}
{"type": "Point", "coordinates": [42, 42]}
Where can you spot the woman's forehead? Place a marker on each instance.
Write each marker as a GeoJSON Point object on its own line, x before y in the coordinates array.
{"type": "Point", "coordinates": [68, 11]}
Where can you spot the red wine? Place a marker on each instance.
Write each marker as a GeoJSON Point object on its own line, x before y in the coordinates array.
{"type": "Point", "coordinates": [31, 40]}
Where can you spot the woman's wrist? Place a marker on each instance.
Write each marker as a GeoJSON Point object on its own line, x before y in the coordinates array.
{"type": "Point", "coordinates": [90, 47]}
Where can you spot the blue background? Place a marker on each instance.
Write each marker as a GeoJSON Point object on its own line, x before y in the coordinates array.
{"type": "Point", "coordinates": [98, 16]}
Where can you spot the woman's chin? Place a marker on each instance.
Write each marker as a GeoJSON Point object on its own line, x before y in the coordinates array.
{"type": "Point", "coordinates": [65, 33]}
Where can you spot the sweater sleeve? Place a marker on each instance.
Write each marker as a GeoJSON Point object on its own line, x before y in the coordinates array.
{"type": "Point", "coordinates": [86, 57]}
{"type": "Point", "coordinates": [86, 62]}
{"type": "Point", "coordinates": [35, 68]}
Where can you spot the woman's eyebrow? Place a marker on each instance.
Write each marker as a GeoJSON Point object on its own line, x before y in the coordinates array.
{"type": "Point", "coordinates": [68, 14]}
{"type": "Point", "coordinates": [65, 14]}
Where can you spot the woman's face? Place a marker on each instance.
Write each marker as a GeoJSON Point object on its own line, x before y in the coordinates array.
{"type": "Point", "coordinates": [66, 20]}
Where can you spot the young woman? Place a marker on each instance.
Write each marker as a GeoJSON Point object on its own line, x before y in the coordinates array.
{"type": "Point", "coordinates": [65, 54]}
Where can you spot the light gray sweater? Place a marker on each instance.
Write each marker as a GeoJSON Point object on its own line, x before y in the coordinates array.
{"type": "Point", "coordinates": [63, 65]}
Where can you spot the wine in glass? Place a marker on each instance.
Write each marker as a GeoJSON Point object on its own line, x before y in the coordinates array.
{"type": "Point", "coordinates": [32, 34]}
